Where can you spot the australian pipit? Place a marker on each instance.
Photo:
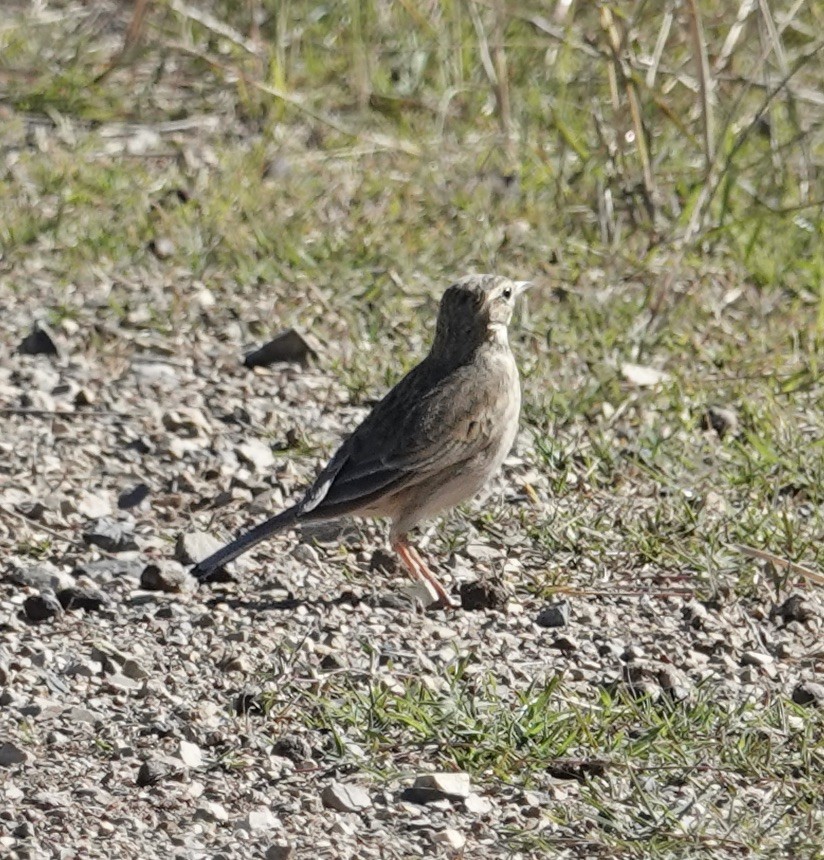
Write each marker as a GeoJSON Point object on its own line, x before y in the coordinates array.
{"type": "Point", "coordinates": [432, 442]}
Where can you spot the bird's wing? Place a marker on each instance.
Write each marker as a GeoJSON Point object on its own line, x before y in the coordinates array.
{"type": "Point", "coordinates": [410, 436]}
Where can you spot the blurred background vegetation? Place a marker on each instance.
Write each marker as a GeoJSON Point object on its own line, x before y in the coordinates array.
{"type": "Point", "coordinates": [612, 130]}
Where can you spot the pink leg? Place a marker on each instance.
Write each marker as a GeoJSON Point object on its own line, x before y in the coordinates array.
{"type": "Point", "coordinates": [417, 567]}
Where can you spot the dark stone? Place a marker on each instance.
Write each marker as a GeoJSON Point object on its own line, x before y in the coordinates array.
{"type": "Point", "coordinates": [89, 599]}
{"type": "Point", "coordinates": [794, 608]}
{"type": "Point", "coordinates": [150, 773]}
{"type": "Point", "coordinates": [809, 693]}
{"type": "Point", "coordinates": [483, 594]}
{"type": "Point", "coordinates": [293, 747]}
{"type": "Point", "coordinates": [554, 615]}
{"type": "Point", "coordinates": [566, 643]}
{"type": "Point", "coordinates": [32, 510]}
{"type": "Point", "coordinates": [41, 607]}
{"type": "Point", "coordinates": [133, 497]}
{"type": "Point", "coordinates": [141, 445]}
{"type": "Point", "coordinates": [289, 345]}
{"type": "Point", "coordinates": [39, 341]}
{"type": "Point", "coordinates": [166, 576]}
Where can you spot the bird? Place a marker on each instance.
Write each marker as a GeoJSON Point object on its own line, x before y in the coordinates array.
{"type": "Point", "coordinates": [431, 443]}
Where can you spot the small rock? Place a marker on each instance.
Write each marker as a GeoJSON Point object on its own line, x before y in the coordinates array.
{"type": "Point", "coordinates": [32, 509]}
{"type": "Point", "coordinates": [418, 592]}
{"type": "Point", "coordinates": [132, 497]}
{"type": "Point", "coordinates": [10, 755]}
{"type": "Point", "coordinates": [289, 345]}
{"type": "Point", "coordinates": [809, 693]}
{"type": "Point", "coordinates": [132, 669]}
{"type": "Point", "coordinates": [205, 298]}
{"type": "Point", "coordinates": [756, 658]}
{"type": "Point", "coordinates": [192, 547]}
{"type": "Point", "coordinates": [478, 805]}
{"type": "Point", "coordinates": [257, 454]}
{"type": "Point", "coordinates": [554, 615]}
{"type": "Point", "coordinates": [190, 754]}
{"type": "Point", "coordinates": [162, 247]}
{"type": "Point", "coordinates": [632, 652]}
{"type": "Point", "coordinates": [293, 747]}
{"type": "Point", "coordinates": [794, 608]}
{"type": "Point", "coordinates": [209, 810]}
{"type": "Point", "coordinates": [43, 576]}
{"type": "Point", "coordinates": [345, 797]}
{"type": "Point", "coordinates": [715, 503]}
{"type": "Point", "coordinates": [120, 683]}
{"type": "Point", "coordinates": [186, 421]}
{"type": "Point", "coordinates": [84, 397]}
{"type": "Point", "coordinates": [721, 419]}
{"type": "Point", "coordinates": [695, 613]}
{"type": "Point", "coordinates": [481, 552]}
{"type": "Point", "coordinates": [259, 819]}
{"type": "Point", "coordinates": [280, 851]}
{"type": "Point", "coordinates": [93, 506]}
{"type": "Point", "coordinates": [87, 598]}
{"type": "Point", "coordinates": [41, 607]}
{"type": "Point", "coordinates": [675, 683]}
{"type": "Point", "coordinates": [165, 575]}
{"type": "Point", "coordinates": [342, 828]}
{"type": "Point", "coordinates": [39, 341]}
{"type": "Point", "coordinates": [748, 675]}
{"type": "Point", "coordinates": [642, 376]}
{"type": "Point", "coordinates": [105, 570]}
{"type": "Point", "coordinates": [566, 643]}
{"type": "Point", "coordinates": [451, 838]}
{"type": "Point", "coordinates": [437, 786]}
{"type": "Point", "coordinates": [78, 714]}
{"type": "Point", "coordinates": [150, 773]}
{"type": "Point", "coordinates": [110, 535]}
{"type": "Point", "coordinates": [483, 594]}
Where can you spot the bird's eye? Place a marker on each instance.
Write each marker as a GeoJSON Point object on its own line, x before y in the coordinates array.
{"type": "Point", "coordinates": [507, 293]}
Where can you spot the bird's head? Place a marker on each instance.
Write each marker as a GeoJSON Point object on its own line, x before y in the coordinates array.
{"type": "Point", "coordinates": [474, 310]}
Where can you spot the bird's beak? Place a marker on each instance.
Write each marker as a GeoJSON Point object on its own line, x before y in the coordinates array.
{"type": "Point", "coordinates": [522, 286]}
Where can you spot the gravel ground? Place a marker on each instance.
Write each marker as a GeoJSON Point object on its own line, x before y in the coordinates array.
{"type": "Point", "coordinates": [142, 716]}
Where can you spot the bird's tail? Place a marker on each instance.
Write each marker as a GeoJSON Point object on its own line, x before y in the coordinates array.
{"type": "Point", "coordinates": [246, 541]}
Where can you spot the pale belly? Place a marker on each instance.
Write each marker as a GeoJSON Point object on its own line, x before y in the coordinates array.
{"type": "Point", "coordinates": [463, 481]}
